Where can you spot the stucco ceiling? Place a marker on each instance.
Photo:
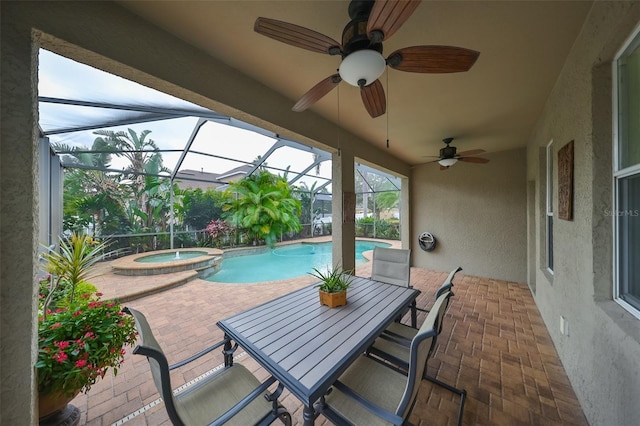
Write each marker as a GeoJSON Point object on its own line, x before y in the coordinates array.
{"type": "Point", "coordinates": [523, 46]}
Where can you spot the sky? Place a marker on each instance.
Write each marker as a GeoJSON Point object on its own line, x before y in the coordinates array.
{"type": "Point", "coordinates": [60, 77]}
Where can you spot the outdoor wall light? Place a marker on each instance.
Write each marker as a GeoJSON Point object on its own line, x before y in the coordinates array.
{"type": "Point", "coordinates": [362, 68]}
{"type": "Point", "coordinates": [448, 162]}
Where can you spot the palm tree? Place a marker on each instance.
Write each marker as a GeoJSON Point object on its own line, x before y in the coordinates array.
{"type": "Point", "coordinates": [145, 160]}
{"type": "Point", "coordinates": [262, 204]}
{"type": "Point", "coordinates": [91, 197]}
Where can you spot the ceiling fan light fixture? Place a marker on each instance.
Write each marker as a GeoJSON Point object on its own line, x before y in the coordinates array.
{"type": "Point", "coordinates": [448, 162]}
{"type": "Point", "coordinates": [362, 68]}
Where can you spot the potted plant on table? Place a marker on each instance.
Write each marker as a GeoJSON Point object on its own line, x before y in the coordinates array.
{"type": "Point", "coordinates": [333, 286]}
{"type": "Point", "coordinates": [79, 335]}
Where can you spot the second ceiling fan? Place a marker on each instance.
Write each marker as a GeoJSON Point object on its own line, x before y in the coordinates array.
{"type": "Point", "coordinates": [449, 155]}
{"type": "Point", "coordinates": [371, 23]}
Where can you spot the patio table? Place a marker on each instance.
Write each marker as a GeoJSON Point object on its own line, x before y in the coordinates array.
{"type": "Point", "coordinates": [307, 346]}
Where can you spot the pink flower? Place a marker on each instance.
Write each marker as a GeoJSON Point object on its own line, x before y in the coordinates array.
{"type": "Point", "coordinates": [99, 294]}
{"type": "Point", "coordinates": [56, 325]}
{"type": "Point", "coordinates": [77, 313]}
{"type": "Point", "coordinates": [62, 345]}
{"type": "Point", "coordinates": [60, 357]}
{"type": "Point", "coordinates": [81, 363]}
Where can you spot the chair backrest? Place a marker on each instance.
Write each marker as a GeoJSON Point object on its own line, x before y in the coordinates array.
{"type": "Point", "coordinates": [447, 285]}
{"type": "Point", "coordinates": [391, 266]}
{"type": "Point", "coordinates": [157, 362]}
{"type": "Point", "coordinates": [421, 350]}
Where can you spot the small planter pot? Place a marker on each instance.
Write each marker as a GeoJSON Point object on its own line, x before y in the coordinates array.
{"type": "Point", "coordinates": [333, 300]}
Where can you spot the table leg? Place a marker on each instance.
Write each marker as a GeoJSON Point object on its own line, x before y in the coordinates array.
{"type": "Point", "coordinates": [414, 314]}
{"type": "Point", "coordinates": [308, 416]}
{"type": "Point", "coordinates": [228, 354]}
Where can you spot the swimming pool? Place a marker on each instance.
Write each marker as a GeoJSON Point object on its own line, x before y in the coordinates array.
{"type": "Point", "coordinates": [283, 262]}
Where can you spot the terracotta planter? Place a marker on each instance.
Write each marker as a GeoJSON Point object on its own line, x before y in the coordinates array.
{"type": "Point", "coordinates": [54, 408]}
{"type": "Point", "coordinates": [333, 300]}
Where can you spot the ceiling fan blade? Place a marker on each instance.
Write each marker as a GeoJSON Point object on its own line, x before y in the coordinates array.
{"type": "Point", "coordinates": [471, 152]}
{"type": "Point", "coordinates": [317, 92]}
{"type": "Point", "coordinates": [297, 36]}
{"type": "Point", "coordinates": [374, 99]}
{"type": "Point", "coordinates": [387, 16]}
{"type": "Point", "coordinates": [473, 160]}
{"type": "Point", "coordinates": [433, 59]}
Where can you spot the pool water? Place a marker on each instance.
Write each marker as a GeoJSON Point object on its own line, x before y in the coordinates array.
{"type": "Point", "coordinates": [168, 257]}
{"type": "Point", "coordinates": [284, 262]}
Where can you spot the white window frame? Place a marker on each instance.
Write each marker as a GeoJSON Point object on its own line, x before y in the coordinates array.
{"type": "Point", "coordinates": [620, 173]}
{"type": "Point", "coordinates": [548, 224]}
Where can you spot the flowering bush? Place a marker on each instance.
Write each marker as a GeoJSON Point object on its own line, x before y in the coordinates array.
{"type": "Point", "coordinates": [217, 232]}
{"type": "Point", "coordinates": [78, 343]}
{"type": "Point", "coordinates": [217, 228]}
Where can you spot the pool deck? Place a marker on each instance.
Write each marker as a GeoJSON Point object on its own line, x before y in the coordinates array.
{"type": "Point", "coordinates": [494, 345]}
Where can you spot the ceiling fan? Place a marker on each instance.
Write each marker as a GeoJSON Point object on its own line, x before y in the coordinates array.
{"type": "Point", "coordinates": [449, 155]}
{"type": "Point", "coordinates": [371, 23]}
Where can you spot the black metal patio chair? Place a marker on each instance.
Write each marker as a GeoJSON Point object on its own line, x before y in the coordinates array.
{"type": "Point", "coordinates": [232, 395]}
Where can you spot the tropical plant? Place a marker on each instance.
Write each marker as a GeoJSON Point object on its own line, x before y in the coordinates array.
{"type": "Point", "coordinates": [201, 207]}
{"type": "Point", "coordinates": [306, 197]}
{"type": "Point", "coordinates": [263, 206]}
{"type": "Point", "coordinates": [217, 230]}
{"type": "Point", "coordinates": [80, 337]}
{"type": "Point", "coordinates": [333, 280]}
{"type": "Point", "coordinates": [70, 264]}
{"type": "Point", "coordinates": [93, 198]}
{"type": "Point", "coordinates": [61, 297]}
{"type": "Point", "coordinates": [387, 200]}
{"type": "Point", "coordinates": [150, 193]}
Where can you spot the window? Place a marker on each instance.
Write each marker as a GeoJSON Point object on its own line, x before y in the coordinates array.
{"type": "Point", "coordinates": [627, 175]}
{"type": "Point", "coordinates": [549, 209]}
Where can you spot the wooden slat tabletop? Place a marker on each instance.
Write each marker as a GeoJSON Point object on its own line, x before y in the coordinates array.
{"type": "Point", "coordinates": [307, 346]}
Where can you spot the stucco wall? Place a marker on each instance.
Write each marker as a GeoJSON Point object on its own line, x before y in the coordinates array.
{"type": "Point", "coordinates": [601, 354]}
{"type": "Point", "coordinates": [18, 230]}
{"type": "Point", "coordinates": [477, 213]}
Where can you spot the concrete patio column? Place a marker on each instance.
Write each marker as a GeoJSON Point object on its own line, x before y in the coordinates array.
{"type": "Point", "coordinates": [343, 209]}
{"type": "Point", "coordinates": [405, 209]}
{"type": "Point", "coordinates": [19, 220]}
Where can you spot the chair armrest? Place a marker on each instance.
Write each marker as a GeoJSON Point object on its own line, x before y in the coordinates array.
{"type": "Point", "coordinates": [200, 354]}
{"type": "Point", "coordinates": [368, 405]}
{"type": "Point", "coordinates": [244, 402]}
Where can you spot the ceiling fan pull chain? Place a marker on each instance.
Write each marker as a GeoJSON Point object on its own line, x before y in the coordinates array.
{"type": "Point", "coordinates": [339, 124]}
{"type": "Point", "coordinates": [388, 107]}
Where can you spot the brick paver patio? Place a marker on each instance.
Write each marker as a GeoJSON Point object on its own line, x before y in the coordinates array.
{"type": "Point", "coordinates": [494, 344]}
